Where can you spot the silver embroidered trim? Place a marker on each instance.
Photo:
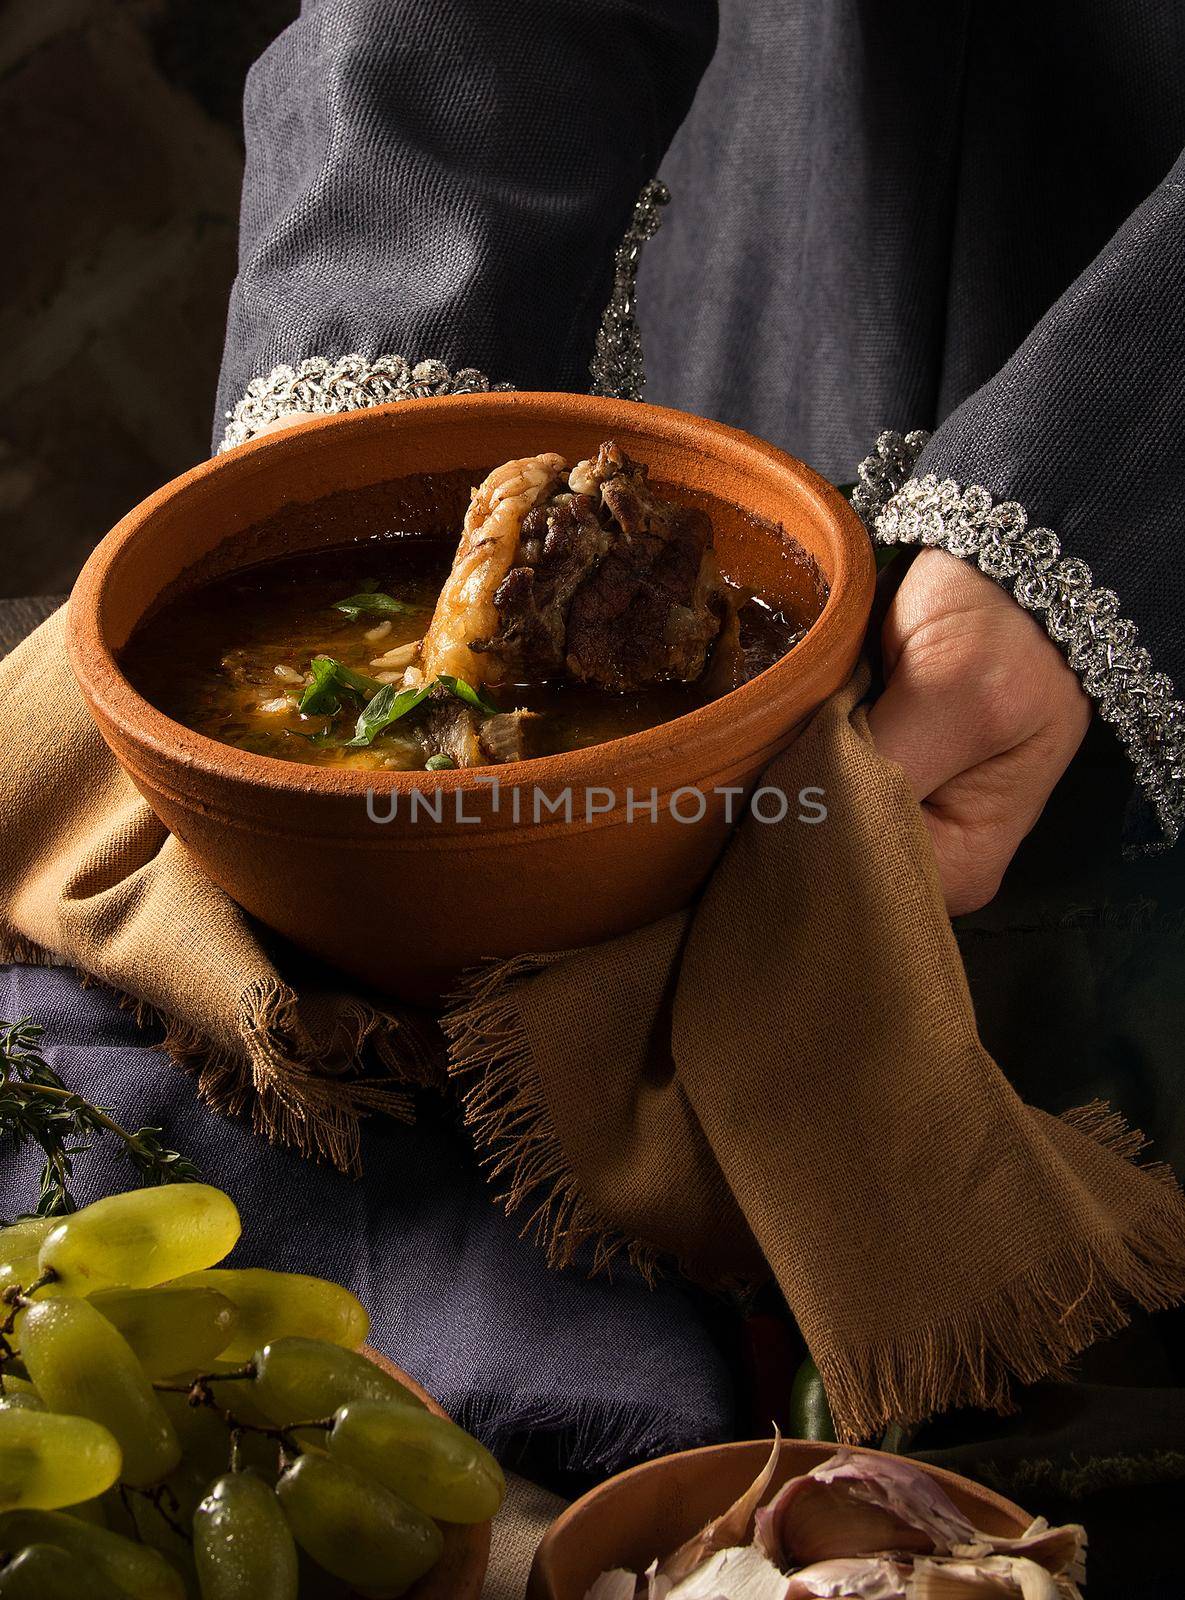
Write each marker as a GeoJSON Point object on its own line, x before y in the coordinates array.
{"type": "Point", "coordinates": [1100, 644]}
{"type": "Point", "coordinates": [320, 386]}
{"type": "Point", "coordinates": [880, 475]}
{"type": "Point", "coordinates": [616, 367]}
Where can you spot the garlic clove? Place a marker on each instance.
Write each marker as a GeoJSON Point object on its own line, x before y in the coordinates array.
{"type": "Point", "coordinates": [852, 1505]}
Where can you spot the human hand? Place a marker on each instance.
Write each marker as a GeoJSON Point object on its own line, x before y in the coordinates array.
{"type": "Point", "coordinates": [982, 714]}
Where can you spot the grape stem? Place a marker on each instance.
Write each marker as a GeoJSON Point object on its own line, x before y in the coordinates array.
{"type": "Point", "coordinates": [156, 1497]}
{"type": "Point", "coordinates": [200, 1394]}
{"type": "Point", "coordinates": [17, 1298]}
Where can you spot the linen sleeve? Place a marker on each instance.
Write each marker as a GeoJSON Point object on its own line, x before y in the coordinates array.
{"type": "Point", "coordinates": [445, 195]}
{"type": "Point", "coordinates": [1063, 478]}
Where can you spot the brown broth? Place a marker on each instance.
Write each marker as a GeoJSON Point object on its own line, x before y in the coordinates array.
{"type": "Point", "coordinates": [229, 657]}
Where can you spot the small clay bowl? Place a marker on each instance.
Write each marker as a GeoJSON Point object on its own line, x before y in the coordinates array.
{"type": "Point", "coordinates": [404, 905]}
{"type": "Point", "coordinates": [461, 1570]}
{"type": "Point", "coordinates": [650, 1510]}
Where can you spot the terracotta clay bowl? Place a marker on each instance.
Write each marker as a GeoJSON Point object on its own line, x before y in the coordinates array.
{"type": "Point", "coordinates": [461, 1570]}
{"type": "Point", "coordinates": [650, 1510]}
{"type": "Point", "coordinates": [404, 905]}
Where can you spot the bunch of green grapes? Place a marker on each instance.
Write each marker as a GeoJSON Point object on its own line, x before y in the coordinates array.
{"type": "Point", "coordinates": [169, 1429]}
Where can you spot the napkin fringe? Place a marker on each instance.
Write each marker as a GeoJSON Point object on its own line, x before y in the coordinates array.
{"type": "Point", "coordinates": [505, 1109]}
{"type": "Point", "coordinates": [294, 1087]}
{"type": "Point", "coordinates": [1029, 1330]}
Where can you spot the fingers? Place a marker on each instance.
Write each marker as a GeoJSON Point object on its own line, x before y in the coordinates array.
{"type": "Point", "coordinates": [977, 821]}
{"type": "Point", "coordinates": [981, 713]}
{"type": "Point", "coordinates": [924, 722]}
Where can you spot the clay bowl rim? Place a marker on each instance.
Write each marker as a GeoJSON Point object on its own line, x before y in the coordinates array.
{"type": "Point", "coordinates": [470, 1540]}
{"type": "Point", "coordinates": [112, 694]}
{"type": "Point", "coordinates": [542, 1587]}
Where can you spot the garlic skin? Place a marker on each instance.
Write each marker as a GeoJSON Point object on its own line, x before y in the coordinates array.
{"type": "Point", "coordinates": [857, 1527]}
{"type": "Point", "coordinates": [739, 1573]}
{"type": "Point", "coordinates": [732, 1528]}
{"type": "Point", "coordinates": [1059, 1550]}
{"type": "Point", "coordinates": [991, 1578]}
{"type": "Point", "coordinates": [615, 1585]}
{"type": "Point", "coordinates": [856, 1578]}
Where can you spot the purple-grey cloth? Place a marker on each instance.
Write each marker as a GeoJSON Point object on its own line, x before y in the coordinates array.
{"type": "Point", "coordinates": [598, 1372]}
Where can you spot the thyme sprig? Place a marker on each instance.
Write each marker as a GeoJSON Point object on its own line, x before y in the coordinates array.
{"type": "Point", "coordinates": [37, 1107]}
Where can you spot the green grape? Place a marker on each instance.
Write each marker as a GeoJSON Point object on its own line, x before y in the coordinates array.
{"type": "Point", "coordinates": [429, 1461]}
{"type": "Point", "coordinates": [205, 1438]}
{"type": "Point", "coordinates": [140, 1238]}
{"type": "Point", "coordinates": [236, 1394]}
{"type": "Point", "coordinates": [242, 1543]}
{"type": "Point", "coordinates": [20, 1244]}
{"type": "Point", "coordinates": [22, 1400]}
{"type": "Point", "coordinates": [47, 1572]}
{"type": "Point", "coordinates": [322, 1585]}
{"type": "Point", "coordinates": [299, 1380]}
{"type": "Point", "coordinates": [132, 1568]}
{"type": "Point", "coordinates": [170, 1329]}
{"type": "Point", "coordinates": [162, 1520]}
{"type": "Point", "coordinates": [88, 1511]}
{"type": "Point", "coordinates": [48, 1461]}
{"type": "Point", "coordinates": [273, 1305]}
{"type": "Point", "coordinates": [356, 1529]}
{"type": "Point", "coordinates": [82, 1365]}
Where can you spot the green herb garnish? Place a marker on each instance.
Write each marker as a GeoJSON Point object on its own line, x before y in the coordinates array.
{"type": "Point", "coordinates": [385, 703]}
{"type": "Point", "coordinates": [466, 692]}
{"type": "Point", "coordinates": [322, 698]}
{"type": "Point", "coordinates": [387, 707]}
{"type": "Point", "coordinates": [373, 603]}
{"type": "Point", "coordinates": [439, 763]}
{"type": "Point", "coordinates": [36, 1107]}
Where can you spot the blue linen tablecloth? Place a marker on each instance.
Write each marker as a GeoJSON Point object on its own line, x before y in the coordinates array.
{"type": "Point", "coordinates": [600, 1372]}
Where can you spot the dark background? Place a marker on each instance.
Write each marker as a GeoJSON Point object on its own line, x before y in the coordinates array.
{"type": "Point", "coordinates": [122, 161]}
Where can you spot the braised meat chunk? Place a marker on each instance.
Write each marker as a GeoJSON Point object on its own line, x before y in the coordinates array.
{"type": "Point", "coordinates": [612, 585]}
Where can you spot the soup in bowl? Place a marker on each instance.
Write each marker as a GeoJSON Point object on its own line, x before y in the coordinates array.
{"type": "Point", "coordinates": [468, 677]}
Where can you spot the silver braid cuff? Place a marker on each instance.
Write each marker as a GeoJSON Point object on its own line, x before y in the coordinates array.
{"type": "Point", "coordinates": [321, 387]}
{"type": "Point", "coordinates": [1100, 644]}
{"type": "Point", "coordinates": [616, 366]}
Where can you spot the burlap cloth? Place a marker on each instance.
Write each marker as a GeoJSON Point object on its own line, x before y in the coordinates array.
{"type": "Point", "coordinates": [787, 1079]}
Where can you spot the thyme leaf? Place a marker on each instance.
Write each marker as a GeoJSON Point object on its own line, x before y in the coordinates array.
{"type": "Point", "coordinates": [37, 1107]}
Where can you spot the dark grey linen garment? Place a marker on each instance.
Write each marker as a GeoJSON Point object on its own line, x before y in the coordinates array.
{"type": "Point", "coordinates": [962, 217]}
{"type": "Point", "coordinates": [968, 217]}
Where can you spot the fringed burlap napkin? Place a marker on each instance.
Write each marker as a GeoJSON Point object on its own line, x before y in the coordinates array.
{"type": "Point", "coordinates": [786, 1079]}
{"type": "Point", "coordinates": [789, 1078]}
{"type": "Point", "coordinates": [89, 878]}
